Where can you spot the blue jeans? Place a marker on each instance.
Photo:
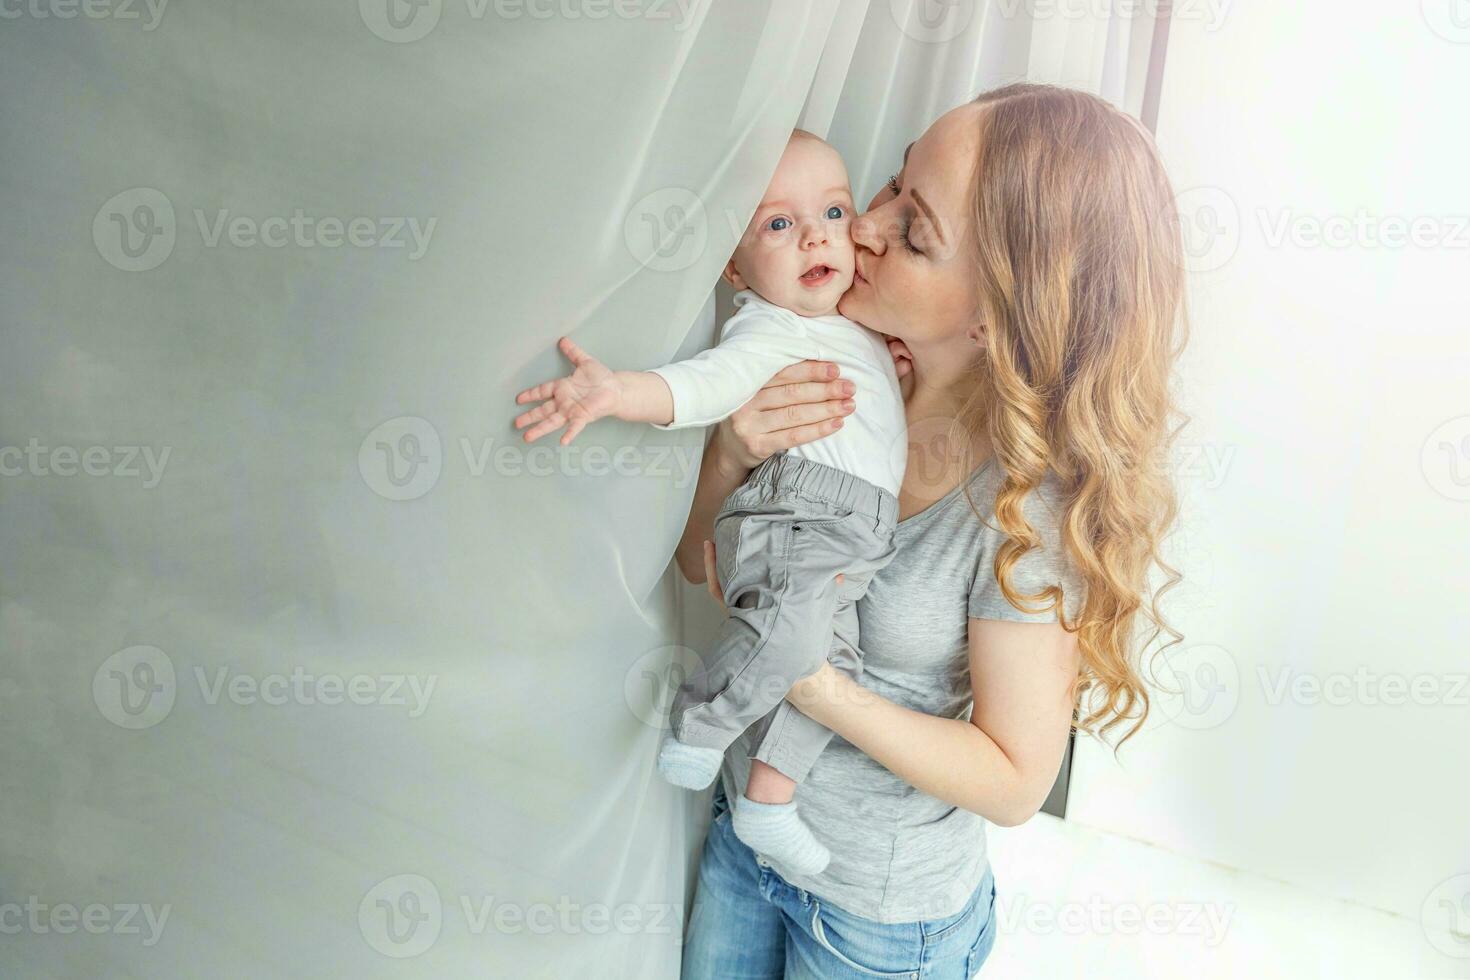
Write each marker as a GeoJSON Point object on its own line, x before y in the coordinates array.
{"type": "Point", "coordinates": [749, 923]}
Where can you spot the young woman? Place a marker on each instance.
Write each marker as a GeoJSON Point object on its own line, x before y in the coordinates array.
{"type": "Point", "coordinates": [1026, 264]}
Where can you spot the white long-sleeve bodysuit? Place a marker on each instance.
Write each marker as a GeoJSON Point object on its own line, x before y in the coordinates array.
{"type": "Point", "coordinates": [761, 339]}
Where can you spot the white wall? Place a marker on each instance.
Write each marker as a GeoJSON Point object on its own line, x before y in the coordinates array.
{"type": "Point", "coordinates": [1326, 471]}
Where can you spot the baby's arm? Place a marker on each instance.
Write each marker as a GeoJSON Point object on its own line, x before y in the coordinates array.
{"type": "Point", "coordinates": [698, 391]}
{"type": "Point", "coordinates": [756, 343]}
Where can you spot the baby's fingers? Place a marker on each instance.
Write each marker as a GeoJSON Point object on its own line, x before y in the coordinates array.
{"type": "Point", "coordinates": [535, 415]}
{"type": "Point", "coordinates": [548, 425]}
{"type": "Point", "coordinates": [535, 393]}
{"type": "Point", "coordinates": [575, 426]}
{"type": "Point", "coordinates": [574, 353]}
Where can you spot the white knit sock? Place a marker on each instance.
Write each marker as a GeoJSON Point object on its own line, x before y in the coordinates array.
{"type": "Point", "coordinates": [689, 766]}
{"type": "Point", "coordinates": [777, 831]}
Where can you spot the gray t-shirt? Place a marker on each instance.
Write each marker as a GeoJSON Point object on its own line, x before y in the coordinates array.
{"type": "Point", "coordinates": [899, 854]}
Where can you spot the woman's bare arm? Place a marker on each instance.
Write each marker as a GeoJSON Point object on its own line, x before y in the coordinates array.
{"type": "Point", "coordinates": [801, 402]}
{"type": "Point", "coordinates": [1003, 761]}
{"type": "Point", "coordinates": [718, 477]}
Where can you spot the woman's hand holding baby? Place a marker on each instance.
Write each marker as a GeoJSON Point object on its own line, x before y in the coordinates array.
{"type": "Point", "coordinates": [802, 402]}
{"type": "Point", "coordinates": [903, 360]}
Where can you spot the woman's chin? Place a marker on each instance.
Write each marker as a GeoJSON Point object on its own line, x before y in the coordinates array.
{"type": "Point", "coordinates": [850, 306]}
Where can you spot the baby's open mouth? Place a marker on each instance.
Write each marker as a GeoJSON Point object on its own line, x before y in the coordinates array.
{"type": "Point", "coordinates": [818, 275]}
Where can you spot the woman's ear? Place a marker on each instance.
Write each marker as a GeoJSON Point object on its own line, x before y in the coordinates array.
{"type": "Point", "coordinates": [976, 333]}
{"type": "Point", "coordinates": [732, 276]}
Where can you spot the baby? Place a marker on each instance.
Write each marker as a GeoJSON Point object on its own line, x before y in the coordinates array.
{"type": "Point", "coordinates": [801, 517]}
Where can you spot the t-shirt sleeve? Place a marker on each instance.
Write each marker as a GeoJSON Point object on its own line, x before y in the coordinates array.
{"type": "Point", "coordinates": [1039, 568]}
{"type": "Point", "coordinates": [755, 343]}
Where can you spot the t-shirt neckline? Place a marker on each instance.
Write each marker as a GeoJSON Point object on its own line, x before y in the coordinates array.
{"type": "Point", "coordinates": [943, 502]}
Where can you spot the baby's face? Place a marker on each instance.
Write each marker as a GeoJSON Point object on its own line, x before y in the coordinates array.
{"type": "Point", "coordinates": [797, 252]}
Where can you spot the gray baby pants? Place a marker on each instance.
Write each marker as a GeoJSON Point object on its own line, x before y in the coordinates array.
{"type": "Point", "coordinates": [780, 539]}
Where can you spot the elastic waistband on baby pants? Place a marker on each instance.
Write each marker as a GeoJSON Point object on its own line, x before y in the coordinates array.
{"type": "Point", "coordinates": [830, 484]}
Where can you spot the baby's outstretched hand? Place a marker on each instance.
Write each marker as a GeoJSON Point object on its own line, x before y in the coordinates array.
{"type": "Point", "coordinates": [589, 393]}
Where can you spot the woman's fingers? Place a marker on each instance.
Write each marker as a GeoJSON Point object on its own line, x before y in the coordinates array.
{"type": "Point", "coordinates": [798, 435]}
{"type": "Point", "coordinates": [798, 400]}
{"type": "Point", "coordinates": [789, 416]}
{"type": "Point", "coordinates": [807, 370]}
{"type": "Point", "coordinates": [903, 360]}
{"type": "Point", "coordinates": [798, 392]}
{"type": "Point", "coordinates": [711, 576]}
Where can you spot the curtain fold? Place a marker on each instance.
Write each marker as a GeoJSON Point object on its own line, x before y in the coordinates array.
{"type": "Point", "coordinates": [342, 498]}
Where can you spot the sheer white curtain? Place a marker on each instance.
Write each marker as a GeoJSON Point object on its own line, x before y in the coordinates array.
{"type": "Point", "coordinates": [307, 661]}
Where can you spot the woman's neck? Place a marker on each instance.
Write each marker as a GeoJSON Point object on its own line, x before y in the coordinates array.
{"type": "Point", "coordinates": [944, 376]}
{"type": "Point", "coordinates": [942, 380]}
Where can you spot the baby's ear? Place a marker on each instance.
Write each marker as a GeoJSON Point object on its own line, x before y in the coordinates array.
{"type": "Point", "coordinates": [732, 276]}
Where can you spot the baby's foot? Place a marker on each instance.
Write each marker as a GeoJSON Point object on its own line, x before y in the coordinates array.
{"type": "Point", "coordinates": [688, 766]}
{"type": "Point", "coordinates": [777, 831]}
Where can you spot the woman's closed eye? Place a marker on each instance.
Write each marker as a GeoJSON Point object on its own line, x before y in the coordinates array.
{"type": "Point", "coordinates": [893, 184]}
{"type": "Point", "coordinates": [903, 236]}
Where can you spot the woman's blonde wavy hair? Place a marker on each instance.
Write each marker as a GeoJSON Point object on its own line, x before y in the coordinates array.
{"type": "Point", "coordinates": [1081, 285]}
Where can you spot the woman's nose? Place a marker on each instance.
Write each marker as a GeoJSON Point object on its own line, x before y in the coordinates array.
{"type": "Point", "coordinates": [864, 231]}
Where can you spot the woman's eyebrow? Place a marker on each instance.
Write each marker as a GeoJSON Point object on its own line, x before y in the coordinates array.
{"type": "Point", "coordinates": [929, 212]}
{"type": "Point", "coordinates": [906, 153]}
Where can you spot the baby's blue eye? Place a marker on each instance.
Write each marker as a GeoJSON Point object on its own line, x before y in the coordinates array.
{"type": "Point", "coordinates": [834, 212]}
{"type": "Point", "coordinates": [779, 224]}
